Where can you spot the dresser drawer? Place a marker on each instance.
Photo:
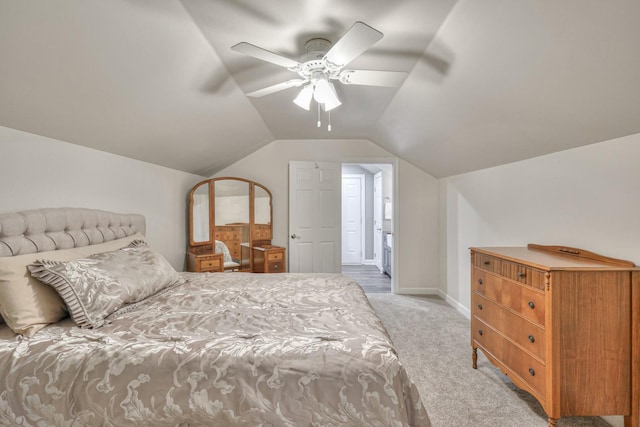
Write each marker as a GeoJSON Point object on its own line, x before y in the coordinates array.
{"type": "Point", "coordinates": [527, 301]}
{"type": "Point", "coordinates": [487, 263]}
{"type": "Point", "coordinates": [487, 284]}
{"type": "Point", "coordinates": [488, 311]}
{"type": "Point", "coordinates": [523, 299]}
{"type": "Point", "coordinates": [526, 367]}
{"type": "Point", "coordinates": [488, 339]}
{"type": "Point", "coordinates": [530, 370]}
{"type": "Point", "coordinates": [526, 334]}
{"type": "Point", "coordinates": [523, 274]}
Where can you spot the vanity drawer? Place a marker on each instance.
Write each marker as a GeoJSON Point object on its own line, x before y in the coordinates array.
{"type": "Point", "coordinates": [275, 256]}
{"type": "Point", "coordinates": [210, 263]}
{"type": "Point", "coordinates": [276, 267]}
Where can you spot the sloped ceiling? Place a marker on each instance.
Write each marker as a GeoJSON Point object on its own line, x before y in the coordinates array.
{"type": "Point", "coordinates": [489, 82]}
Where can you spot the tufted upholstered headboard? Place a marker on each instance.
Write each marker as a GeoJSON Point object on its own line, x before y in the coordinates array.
{"type": "Point", "coordinates": [41, 230]}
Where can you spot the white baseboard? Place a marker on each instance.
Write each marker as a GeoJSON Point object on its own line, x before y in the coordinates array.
{"type": "Point", "coordinates": [459, 307]}
{"type": "Point", "coordinates": [436, 291]}
{"type": "Point", "coordinates": [369, 262]}
{"type": "Point", "coordinates": [418, 291]}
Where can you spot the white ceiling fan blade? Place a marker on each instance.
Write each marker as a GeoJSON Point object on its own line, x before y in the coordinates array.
{"type": "Point", "coordinates": [356, 40]}
{"type": "Point", "coordinates": [277, 88]}
{"type": "Point", "coordinates": [372, 77]}
{"type": "Point", "coordinates": [264, 55]}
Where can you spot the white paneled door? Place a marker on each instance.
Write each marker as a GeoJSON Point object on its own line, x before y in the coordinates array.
{"type": "Point", "coordinates": [314, 217]}
{"type": "Point", "coordinates": [377, 220]}
{"type": "Point", "coordinates": [352, 219]}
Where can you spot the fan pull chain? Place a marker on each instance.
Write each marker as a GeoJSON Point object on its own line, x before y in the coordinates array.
{"type": "Point", "coordinates": [319, 123]}
{"type": "Point", "coordinates": [329, 126]}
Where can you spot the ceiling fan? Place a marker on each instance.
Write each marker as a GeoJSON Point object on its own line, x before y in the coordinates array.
{"type": "Point", "coordinates": [323, 63]}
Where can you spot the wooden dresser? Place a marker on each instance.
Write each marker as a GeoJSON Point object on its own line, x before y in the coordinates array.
{"type": "Point", "coordinates": [563, 324]}
{"type": "Point", "coordinates": [269, 259]}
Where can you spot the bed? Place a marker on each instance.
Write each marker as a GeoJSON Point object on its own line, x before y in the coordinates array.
{"type": "Point", "coordinates": [147, 346]}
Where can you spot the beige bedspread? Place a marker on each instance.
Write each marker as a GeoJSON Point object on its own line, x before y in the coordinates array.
{"type": "Point", "coordinates": [227, 349]}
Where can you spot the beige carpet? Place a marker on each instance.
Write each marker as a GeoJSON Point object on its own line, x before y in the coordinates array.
{"type": "Point", "coordinates": [433, 340]}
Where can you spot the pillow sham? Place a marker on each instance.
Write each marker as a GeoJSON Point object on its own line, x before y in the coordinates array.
{"type": "Point", "coordinates": [26, 304]}
{"type": "Point", "coordinates": [94, 287]}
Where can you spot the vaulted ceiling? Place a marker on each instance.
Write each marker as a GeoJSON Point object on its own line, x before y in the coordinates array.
{"type": "Point", "coordinates": [489, 82]}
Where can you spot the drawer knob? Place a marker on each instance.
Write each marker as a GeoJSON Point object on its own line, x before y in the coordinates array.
{"type": "Point", "coordinates": [532, 338]}
{"type": "Point", "coordinates": [521, 274]}
{"type": "Point", "coordinates": [531, 304]}
{"type": "Point", "coordinates": [480, 332]}
{"type": "Point", "coordinates": [480, 282]}
{"type": "Point", "coordinates": [275, 266]}
{"type": "Point", "coordinates": [479, 306]}
{"type": "Point", "coordinates": [532, 372]}
{"type": "Point", "coordinates": [487, 263]}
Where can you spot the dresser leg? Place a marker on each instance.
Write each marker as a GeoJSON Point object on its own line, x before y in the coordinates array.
{"type": "Point", "coordinates": [553, 422]}
{"type": "Point", "coordinates": [474, 358]}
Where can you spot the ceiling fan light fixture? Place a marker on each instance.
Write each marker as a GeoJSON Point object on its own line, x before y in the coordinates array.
{"type": "Point", "coordinates": [322, 91]}
{"type": "Point", "coordinates": [332, 101]}
{"type": "Point", "coordinates": [303, 100]}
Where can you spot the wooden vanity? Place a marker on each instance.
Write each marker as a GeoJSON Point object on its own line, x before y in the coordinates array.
{"type": "Point", "coordinates": [564, 325]}
{"type": "Point", "coordinates": [230, 228]}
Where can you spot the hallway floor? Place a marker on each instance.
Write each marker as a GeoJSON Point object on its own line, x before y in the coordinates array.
{"type": "Point", "coordinates": [369, 277]}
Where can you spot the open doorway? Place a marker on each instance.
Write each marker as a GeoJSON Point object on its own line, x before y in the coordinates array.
{"type": "Point", "coordinates": [367, 226]}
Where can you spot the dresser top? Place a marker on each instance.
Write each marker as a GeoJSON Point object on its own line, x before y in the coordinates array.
{"type": "Point", "coordinates": [557, 258]}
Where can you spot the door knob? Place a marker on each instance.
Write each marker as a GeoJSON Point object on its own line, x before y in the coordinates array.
{"type": "Point", "coordinates": [294, 236]}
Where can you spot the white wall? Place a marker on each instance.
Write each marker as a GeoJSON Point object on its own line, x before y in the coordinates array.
{"type": "Point", "coordinates": [415, 210]}
{"type": "Point", "coordinates": [588, 197]}
{"type": "Point", "coordinates": [39, 172]}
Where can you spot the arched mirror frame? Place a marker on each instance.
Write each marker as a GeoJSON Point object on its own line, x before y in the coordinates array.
{"type": "Point", "coordinates": [260, 235]}
{"type": "Point", "coordinates": [194, 190]}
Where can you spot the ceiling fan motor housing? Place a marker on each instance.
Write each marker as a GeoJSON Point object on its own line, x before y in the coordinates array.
{"type": "Point", "coordinates": [312, 64]}
{"type": "Point", "coordinates": [317, 46]}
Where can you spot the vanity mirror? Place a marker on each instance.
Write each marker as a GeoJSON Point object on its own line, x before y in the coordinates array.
{"type": "Point", "coordinates": [230, 228]}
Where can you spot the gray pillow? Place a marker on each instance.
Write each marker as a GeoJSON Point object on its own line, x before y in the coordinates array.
{"type": "Point", "coordinates": [94, 287]}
